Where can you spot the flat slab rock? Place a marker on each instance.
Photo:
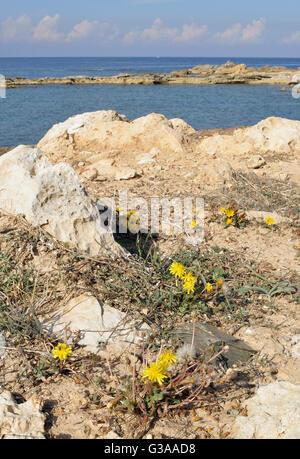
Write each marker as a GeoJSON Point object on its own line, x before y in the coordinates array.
{"type": "Point", "coordinates": [208, 337]}
{"type": "Point", "coordinates": [96, 322]}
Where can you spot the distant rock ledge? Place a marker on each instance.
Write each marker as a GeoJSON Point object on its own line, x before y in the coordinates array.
{"type": "Point", "coordinates": [228, 73]}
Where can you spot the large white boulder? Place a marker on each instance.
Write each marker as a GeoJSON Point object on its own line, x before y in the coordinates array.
{"type": "Point", "coordinates": [108, 132]}
{"type": "Point", "coordinates": [52, 196]}
{"type": "Point", "coordinates": [272, 135]}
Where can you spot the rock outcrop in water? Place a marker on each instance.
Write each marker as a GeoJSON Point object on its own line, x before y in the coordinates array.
{"type": "Point", "coordinates": [229, 73]}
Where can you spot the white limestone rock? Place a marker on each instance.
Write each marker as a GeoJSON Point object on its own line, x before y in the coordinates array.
{"type": "Point", "coordinates": [109, 133]}
{"type": "Point", "coordinates": [273, 413]}
{"type": "Point", "coordinates": [21, 421]}
{"type": "Point", "coordinates": [272, 135]}
{"type": "Point", "coordinates": [52, 196]}
{"type": "Point", "coordinates": [125, 173]}
{"type": "Point", "coordinates": [256, 162]}
{"type": "Point", "coordinates": [97, 323]}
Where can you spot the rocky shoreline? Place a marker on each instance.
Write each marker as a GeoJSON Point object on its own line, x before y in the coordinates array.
{"type": "Point", "coordinates": [228, 73]}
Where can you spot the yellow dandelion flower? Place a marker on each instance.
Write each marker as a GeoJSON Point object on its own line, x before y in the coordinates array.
{"type": "Point", "coordinates": [189, 287]}
{"type": "Point", "coordinates": [189, 282]}
{"type": "Point", "coordinates": [229, 221]}
{"type": "Point", "coordinates": [223, 209]}
{"type": "Point", "coordinates": [177, 270]}
{"type": "Point", "coordinates": [155, 373]}
{"type": "Point", "coordinates": [208, 287]}
{"type": "Point", "coordinates": [61, 351]}
{"type": "Point", "coordinates": [134, 224]}
{"type": "Point", "coordinates": [131, 212]}
{"type": "Point", "coordinates": [188, 275]}
{"type": "Point", "coordinates": [298, 247]}
{"type": "Point", "coordinates": [196, 419]}
{"type": "Point", "coordinates": [229, 212]}
{"type": "Point", "coordinates": [194, 224]}
{"type": "Point", "coordinates": [167, 358]}
{"type": "Point", "coordinates": [270, 221]}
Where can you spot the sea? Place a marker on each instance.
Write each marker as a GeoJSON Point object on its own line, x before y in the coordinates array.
{"type": "Point", "coordinates": [26, 114]}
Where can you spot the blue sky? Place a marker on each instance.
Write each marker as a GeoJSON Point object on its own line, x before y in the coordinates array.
{"type": "Point", "coordinates": [234, 28]}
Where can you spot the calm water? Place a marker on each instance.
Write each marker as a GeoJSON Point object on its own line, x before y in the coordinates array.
{"type": "Point", "coordinates": [26, 114]}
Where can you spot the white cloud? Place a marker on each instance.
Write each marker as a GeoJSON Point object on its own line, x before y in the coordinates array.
{"type": "Point", "coordinates": [191, 33]}
{"type": "Point", "coordinates": [131, 36]}
{"type": "Point", "coordinates": [82, 30]}
{"type": "Point", "coordinates": [22, 29]}
{"type": "Point", "coordinates": [294, 38]}
{"type": "Point", "coordinates": [96, 29]}
{"type": "Point", "coordinates": [16, 29]}
{"type": "Point", "coordinates": [251, 33]}
{"type": "Point", "coordinates": [230, 35]}
{"type": "Point", "coordinates": [46, 30]}
{"type": "Point", "coordinates": [158, 32]}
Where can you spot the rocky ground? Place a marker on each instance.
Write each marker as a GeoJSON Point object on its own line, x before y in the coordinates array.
{"type": "Point", "coordinates": [114, 300]}
{"type": "Point", "coordinates": [229, 73]}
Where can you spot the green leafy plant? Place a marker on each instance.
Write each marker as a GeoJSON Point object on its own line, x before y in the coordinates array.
{"type": "Point", "coordinates": [277, 289]}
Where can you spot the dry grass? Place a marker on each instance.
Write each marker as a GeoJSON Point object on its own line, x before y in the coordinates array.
{"type": "Point", "coordinates": [260, 193]}
{"type": "Point", "coordinates": [27, 291]}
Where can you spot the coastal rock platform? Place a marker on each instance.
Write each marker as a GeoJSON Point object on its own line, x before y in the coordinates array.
{"type": "Point", "coordinates": [228, 73]}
